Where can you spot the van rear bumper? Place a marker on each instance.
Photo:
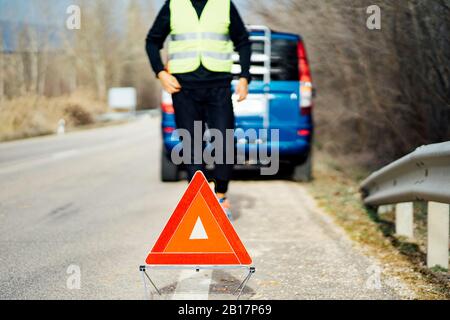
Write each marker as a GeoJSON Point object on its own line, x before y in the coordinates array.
{"type": "Point", "coordinates": [292, 151]}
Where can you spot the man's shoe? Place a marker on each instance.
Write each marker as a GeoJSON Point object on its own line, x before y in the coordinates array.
{"type": "Point", "coordinates": [226, 207]}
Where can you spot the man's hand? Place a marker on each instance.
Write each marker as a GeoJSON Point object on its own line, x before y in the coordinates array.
{"type": "Point", "coordinates": [242, 89]}
{"type": "Point", "coordinates": [169, 82]}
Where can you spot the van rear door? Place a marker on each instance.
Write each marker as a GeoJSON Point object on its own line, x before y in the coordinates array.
{"type": "Point", "coordinates": [273, 101]}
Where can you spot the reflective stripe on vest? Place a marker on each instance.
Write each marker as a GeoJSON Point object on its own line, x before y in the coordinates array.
{"type": "Point", "coordinates": [199, 36]}
{"type": "Point", "coordinates": [191, 55]}
{"type": "Point", "coordinates": [203, 40]}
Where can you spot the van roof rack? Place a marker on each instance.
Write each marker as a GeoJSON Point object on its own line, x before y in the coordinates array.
{"type": "Point", "coordinates": [266, 38]}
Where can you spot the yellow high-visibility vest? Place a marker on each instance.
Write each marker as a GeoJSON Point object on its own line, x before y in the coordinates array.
{"type": "Point", "coordinates": [197, 41]}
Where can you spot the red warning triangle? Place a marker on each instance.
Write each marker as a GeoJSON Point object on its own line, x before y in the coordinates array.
{"type": "Point", "coordinates": [199, 232]}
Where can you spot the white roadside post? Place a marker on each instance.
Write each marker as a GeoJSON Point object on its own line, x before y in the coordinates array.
{"type": "Point", "coordinates": [404, 219]}
{"type": "Point", "coordinates": [438, 232]}
{"type": "Point", "coordinates": [61, 127]}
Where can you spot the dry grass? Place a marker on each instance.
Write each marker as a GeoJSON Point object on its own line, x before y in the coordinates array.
{"type": "Point", "coordinates": [337, 191]}
{"type": "Point", "coordinates": [34, 115]}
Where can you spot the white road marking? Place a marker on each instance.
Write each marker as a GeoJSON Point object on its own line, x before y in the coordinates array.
{"type": "Point", "coordinates": [193, 285]}
{"type": "Point", "coordinates": [68, 154]}
{"type": "Point", "coordinates": [65, 154]}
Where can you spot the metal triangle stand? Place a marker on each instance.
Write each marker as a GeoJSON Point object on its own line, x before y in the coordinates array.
{"type": "Point", "coordinates": [146, 278]}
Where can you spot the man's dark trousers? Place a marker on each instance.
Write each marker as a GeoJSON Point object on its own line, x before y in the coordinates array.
{"type": "Point", "coordinates": [211, 106]}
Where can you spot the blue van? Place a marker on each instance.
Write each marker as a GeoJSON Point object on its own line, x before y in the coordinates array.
{"type": "Point", "coordinates": [280, 97]}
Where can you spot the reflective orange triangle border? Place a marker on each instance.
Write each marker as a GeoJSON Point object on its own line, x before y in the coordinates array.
{"type": "Point", "coordinates": [237, 255]}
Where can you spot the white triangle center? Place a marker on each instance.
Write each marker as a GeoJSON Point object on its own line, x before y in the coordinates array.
{"type": "Point", "coordinates": [199, 232]}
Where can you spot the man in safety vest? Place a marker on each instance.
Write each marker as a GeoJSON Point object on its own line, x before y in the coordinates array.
{"type": "Point", "coordinates": [203, 34]}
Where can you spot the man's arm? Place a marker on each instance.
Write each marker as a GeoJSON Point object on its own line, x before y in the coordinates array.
{"type": "Point", "coordinates": [240, 37]}
{"type": "Point", "coordinates": [156, 37]}
{"type": "Point", "coordinates": [155, 42]}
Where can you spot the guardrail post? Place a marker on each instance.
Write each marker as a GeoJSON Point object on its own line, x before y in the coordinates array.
{"type": "Point", "coordinates": [404, 219]}
{"type": "Point", "coordinates": [438, 233]}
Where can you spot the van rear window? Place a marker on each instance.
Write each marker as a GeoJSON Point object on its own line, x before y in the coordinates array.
{"type": "Point", "coordinates": [284, 60]}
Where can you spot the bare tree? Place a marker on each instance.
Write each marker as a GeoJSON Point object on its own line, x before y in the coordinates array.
{"type": "Point", "coordinates": [382, 92]}
{"type": "Point", "coordinates": [2, 68]}
{"type": "Point", "coordinates": [107, 51]}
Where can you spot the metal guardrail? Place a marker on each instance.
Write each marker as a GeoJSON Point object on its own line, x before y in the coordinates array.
{"type": "Point", "coordinates": [423, 175]}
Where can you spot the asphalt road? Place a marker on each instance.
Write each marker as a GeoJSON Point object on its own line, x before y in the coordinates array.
{"type": "Point", "coordinates": [93, 200]}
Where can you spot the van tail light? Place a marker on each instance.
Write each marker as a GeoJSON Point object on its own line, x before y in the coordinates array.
{"type": "Point", "coordinates": [168, 130]}
{"type": "Point", "coordinates": [167, 108]}
{"type": "Point", "coordinates": [304, 133]}
{"type": "Point", "coordinates": [166, 103]}
{"type": "Point", "coordinates": [306, 86]}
